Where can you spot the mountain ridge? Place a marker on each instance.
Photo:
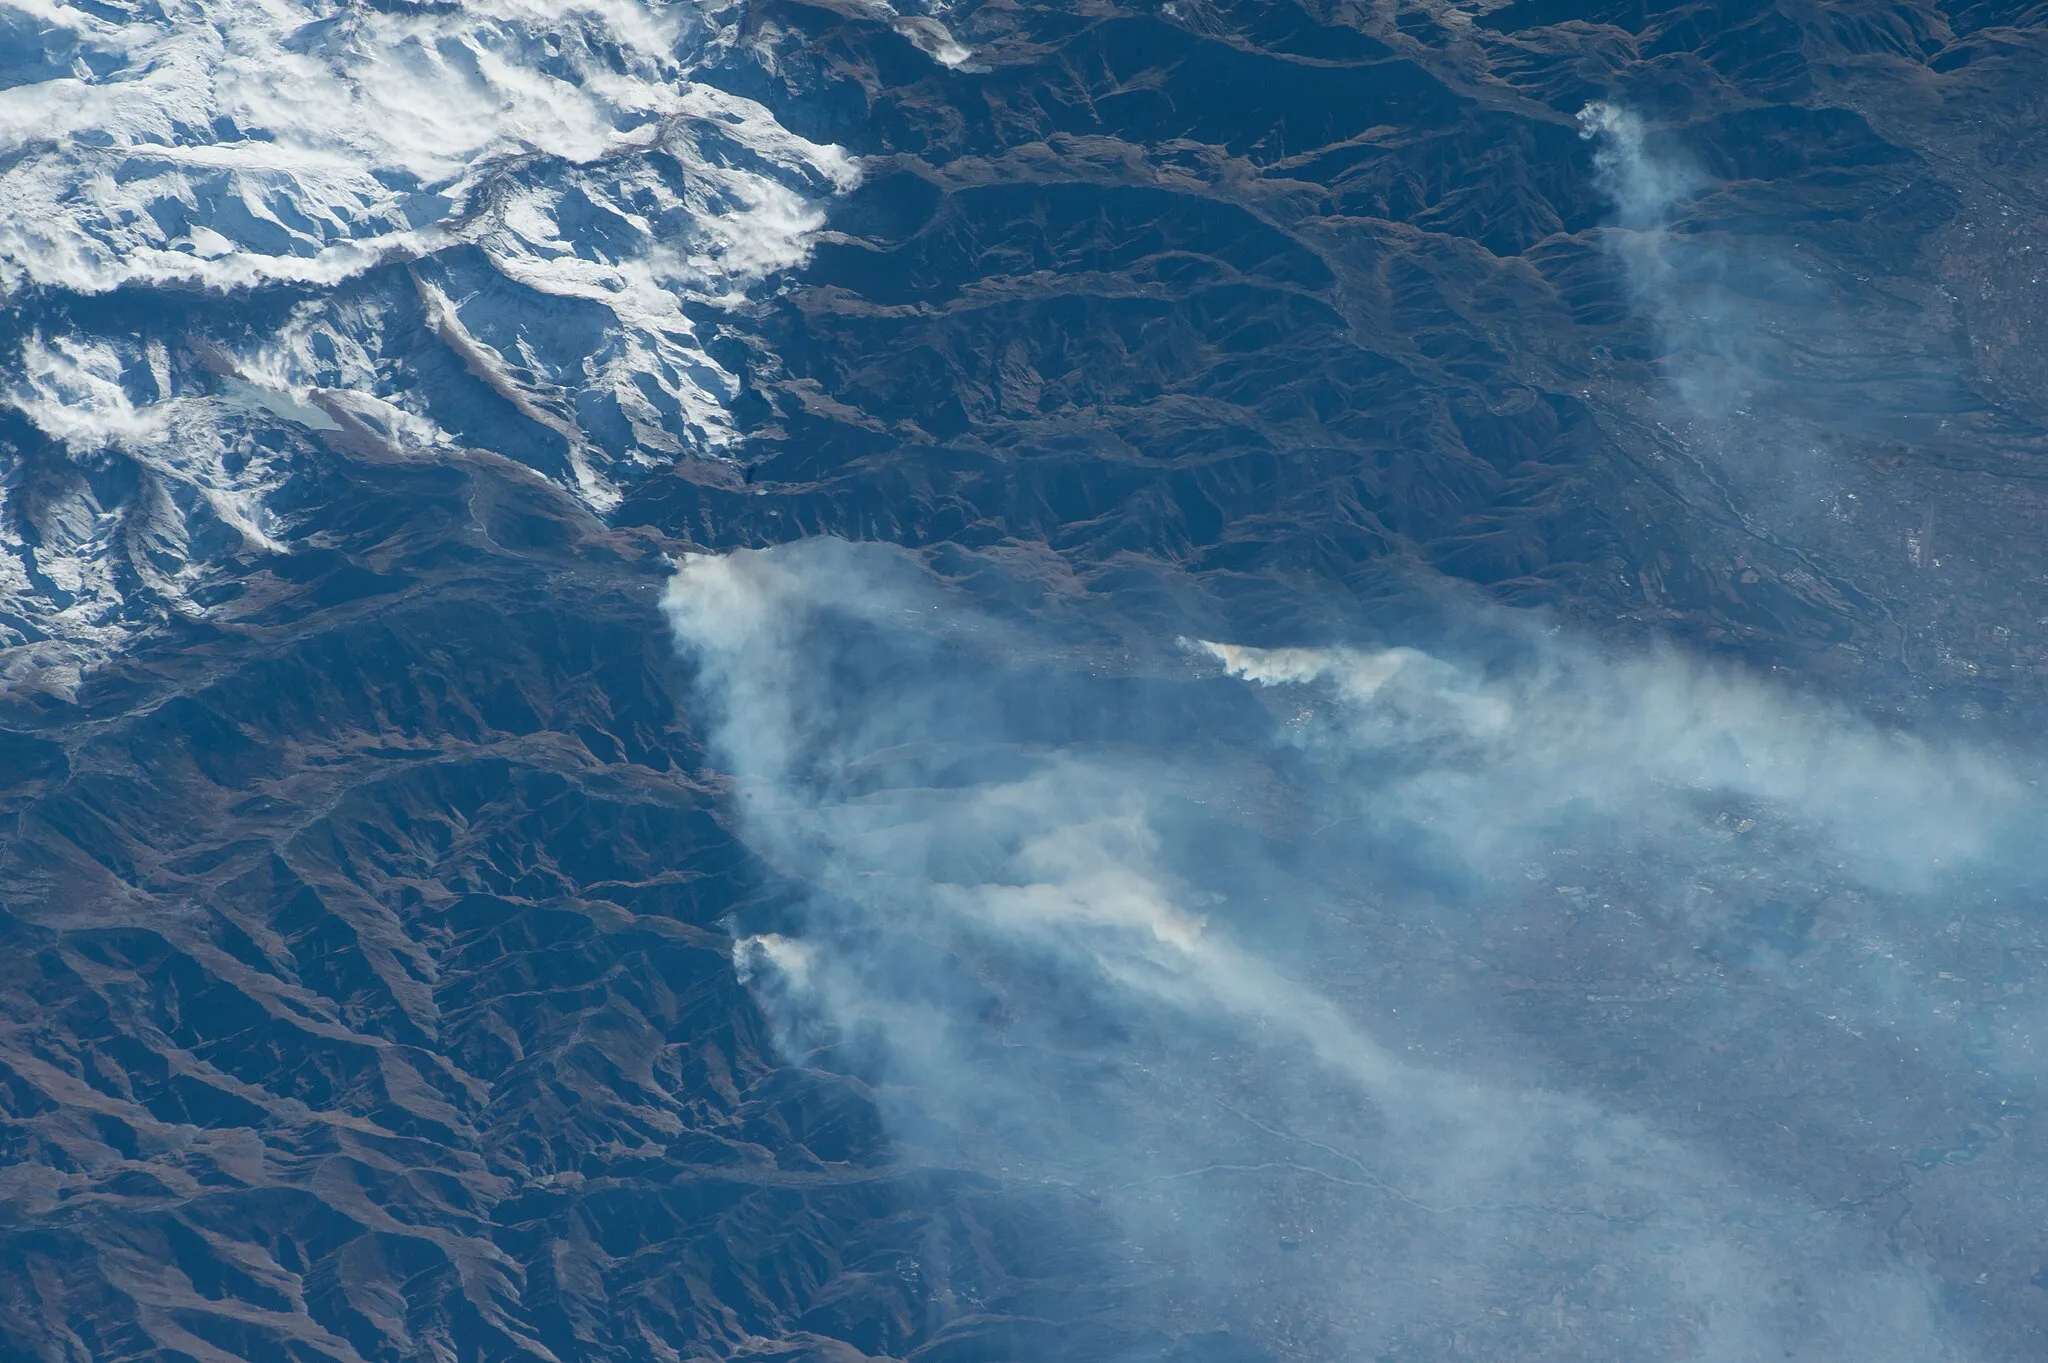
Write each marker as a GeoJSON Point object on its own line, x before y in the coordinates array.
{"type": "Point", "coordinates": [373, 893]}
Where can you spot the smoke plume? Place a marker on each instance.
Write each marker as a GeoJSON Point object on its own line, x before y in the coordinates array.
{"type": "Point", "coordinates": [1385, 996]}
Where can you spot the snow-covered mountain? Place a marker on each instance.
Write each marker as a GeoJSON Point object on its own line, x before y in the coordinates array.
{"type": "Point", "coordinates": [225, 224]}
{"type": "Point", "coordinates": [605, 753]}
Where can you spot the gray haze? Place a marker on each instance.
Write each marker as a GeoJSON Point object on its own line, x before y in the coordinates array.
{"type": "Point", "coordinates": [1167, 943]}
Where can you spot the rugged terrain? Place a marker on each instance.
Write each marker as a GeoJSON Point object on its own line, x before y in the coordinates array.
{"type": "Point", "coordinates": [373, 860]}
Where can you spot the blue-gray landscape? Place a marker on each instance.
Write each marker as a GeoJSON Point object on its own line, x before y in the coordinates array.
{"type": "Point", "coordinates": [985, 681]}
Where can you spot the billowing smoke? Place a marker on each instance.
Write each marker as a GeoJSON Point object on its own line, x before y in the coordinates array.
{"type": "Point", "coordinates": [1700, 300]}
{"type": "Point", "coordinates": [1772, 344]}
{"type": "Point", "coordinates": [1635, 748]}
{"type": "Point", "coordinates": [1646, 186]}
{"type": "Point", "coordinates": [1388, 1005]}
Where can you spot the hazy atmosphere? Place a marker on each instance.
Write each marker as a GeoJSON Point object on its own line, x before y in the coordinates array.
{"type": "Point", "coordinates": [827, 682]}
